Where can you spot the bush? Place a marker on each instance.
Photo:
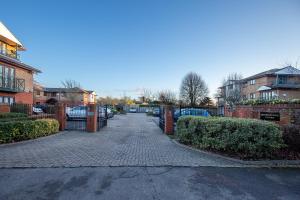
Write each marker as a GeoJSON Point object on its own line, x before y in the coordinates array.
{"type": "Point", "coordinates": [248, 138]}
{"type": "Point", "coordinates": [30, 129]}
{"type": "Point", "coordinates": [12, 115]}
{"type": "Point", "coordinates": [291, 136]}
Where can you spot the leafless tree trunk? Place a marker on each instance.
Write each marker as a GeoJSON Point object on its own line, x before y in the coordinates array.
{"type": "Point", "coordinates": [193, 89]}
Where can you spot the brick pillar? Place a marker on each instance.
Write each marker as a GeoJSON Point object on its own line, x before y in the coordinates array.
{"type": "Point", "coordinates": [4, 108]}
{"type": "Point", "coordinates": [169, 120]}
{"type": "Point", "coordinates": [92, 115]}
{"type": "Point", "coordinates": [61, 116]}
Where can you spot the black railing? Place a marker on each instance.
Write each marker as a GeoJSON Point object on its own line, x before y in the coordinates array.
{"type": "Point", "coordinates": [11, 84]}
{"type": "Point", "coordinates": [10, 53]}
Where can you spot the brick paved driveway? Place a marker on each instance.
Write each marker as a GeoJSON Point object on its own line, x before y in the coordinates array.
{"type": "Point", "coordinates": [129, 140]}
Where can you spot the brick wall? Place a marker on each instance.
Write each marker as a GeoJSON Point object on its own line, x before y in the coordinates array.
{"type": "Point", "coordinates": [289, 113]}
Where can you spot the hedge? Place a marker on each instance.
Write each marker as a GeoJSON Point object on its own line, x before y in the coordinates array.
{"type": "Point", "coordinates": [247, 138]}
{"type": "Point", "coordinates": [12, 115]}
{"type": "Point", "coordinates": [23, 130]}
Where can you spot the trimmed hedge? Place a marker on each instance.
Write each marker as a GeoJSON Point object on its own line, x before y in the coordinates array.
{"type": "Point", "coordinates": [23, 130]}
{"type": "Point", "coordinates": [247, 138]}
{"type": "Point", "coordinates": [12, 115]}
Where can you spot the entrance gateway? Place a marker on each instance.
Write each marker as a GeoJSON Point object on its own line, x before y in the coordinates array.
{"type": "Point", "coordinates": [77, 116]}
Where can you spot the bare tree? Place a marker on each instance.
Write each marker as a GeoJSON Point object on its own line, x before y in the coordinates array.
{"type": "Point", "coordinates": [72, 90]}
{"type": "Point", "coordinates": [207, 101]}
{"type": "Point", "coordinates": [193, 89]}
{"type": "Point", "coordinates": [167, 97]}
{"type": "Point", "coordinates": [147, 95]}
{"type": "Point", "coordinates": [231, 90]}
{"type": "Point", "coordinates": [70, 84]}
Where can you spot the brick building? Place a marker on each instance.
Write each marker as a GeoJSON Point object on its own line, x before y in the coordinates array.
{"type": "Point", "coordinates": [75, 96]}
{"type": "Point", "coordinates": [16, 78]}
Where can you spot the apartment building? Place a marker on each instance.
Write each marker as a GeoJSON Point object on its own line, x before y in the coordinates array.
{"type": "Point", "coordinates": [16, 77]}
{"type": "Point", "coordinates": [74, 96]}
{"type": "Point", "coordinates": [283, 83]}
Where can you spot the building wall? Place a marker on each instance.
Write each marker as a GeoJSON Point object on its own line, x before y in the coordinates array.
{"type": "Point", "coordinates": [289, 113]}
{"type": "Point", "coordinates": [21, 97]}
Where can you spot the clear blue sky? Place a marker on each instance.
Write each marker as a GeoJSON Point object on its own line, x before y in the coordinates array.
{"type": "Point", "coordinates": [114, 47]}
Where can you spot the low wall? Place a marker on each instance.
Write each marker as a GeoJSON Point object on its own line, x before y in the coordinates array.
{"type": "Point", "coordinates": [282, 114]}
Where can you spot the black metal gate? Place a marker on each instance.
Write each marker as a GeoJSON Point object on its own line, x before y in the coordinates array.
{"type": "Point", "coordinates": [76, 117]}
{"type": "Point", "coordinates": [162, 117]}
{"type": "Point", "coordinates": [102, 116]}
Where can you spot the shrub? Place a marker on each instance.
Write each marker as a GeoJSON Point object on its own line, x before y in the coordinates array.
{"type": "Point", "coordinates": [12, 115]}
{"type": "Point", "coordinates": [23, 130]}
{"type": "Point", "coordinates": [248, 138]}
{"type": "Point", "coordinates": [291, 136]}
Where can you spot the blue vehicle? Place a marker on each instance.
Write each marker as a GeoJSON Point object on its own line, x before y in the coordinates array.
{"type": "Point", "coordinates": [191, 112]}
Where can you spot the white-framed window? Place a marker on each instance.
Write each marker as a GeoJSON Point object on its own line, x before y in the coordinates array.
{"type": "Point", "coordinates": [267, 95]}
{"type": "Point", "coordinates": [7, 99]}
{"type": "Point", "coordinates": [252, 82]}
{"type": "Point", "coordinates": [252, 95]}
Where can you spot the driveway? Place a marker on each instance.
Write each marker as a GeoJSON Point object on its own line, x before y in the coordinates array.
{"type": "Point", "coordinates": [129, 140]}
{"type": "Point", "coordinates": [131, 159]}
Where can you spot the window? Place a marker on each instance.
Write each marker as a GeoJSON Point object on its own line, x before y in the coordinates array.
{"type": "Point", "coordinates": [7, 99]}
{"type": "Point", "coordinates": [7, 77]}
{"type": "Point", "coordinates": [45, 94]}
{"type": "Point", "coordinates": [267, 95]}
{"type": "Point", "coordinates": [282, 79]}
{"type": "Point", "coordinates": [252, 95]}
{"type": "Point", "coordinates": [38, 93]}
{"type": "Point", "coordinates": [252, 82]}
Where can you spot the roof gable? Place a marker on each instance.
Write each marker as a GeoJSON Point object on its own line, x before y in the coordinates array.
{"type": "Point", "coordinates": [288, 71]}
{"type": "Point", "coordinates": [6, 34]}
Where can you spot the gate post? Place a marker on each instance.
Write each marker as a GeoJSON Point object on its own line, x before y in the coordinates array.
{"type": "Point", "coordinates": [169, 120]}
{"type": "Point", "coordinates": [92, 115]}
{"type": "Point", "coordinates": [61, 116]}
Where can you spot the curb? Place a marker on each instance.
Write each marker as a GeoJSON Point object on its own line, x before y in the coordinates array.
{"type": "Point", "coordinates": [247, 163]}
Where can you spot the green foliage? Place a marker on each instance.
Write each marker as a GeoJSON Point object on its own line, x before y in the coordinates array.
{"type": "Point", "coordinates": [248, 138]}
{"type": "Point", "coordinates": [23, 130]}
{"type": "Point", "coordinates": [12, 115]}
{"type": "Point", "coordinates": [274, 101]}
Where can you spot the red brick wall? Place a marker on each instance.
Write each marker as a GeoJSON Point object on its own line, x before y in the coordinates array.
{"type": "Point", "coordinates": [22, 97]}
{"type": "Point", "coordinates": [4, 108]}
{"type": "Point", "coordinates": [289, 113]}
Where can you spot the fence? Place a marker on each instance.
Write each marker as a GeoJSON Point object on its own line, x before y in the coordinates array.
{"type": "Point", "coordinates": [140, 109]}
{"type": "Point", "coordinates": [77, 117]}
{"type": "Point", "coordinates": [40, 111]}
{"type": "Point", "coordinates": [178, 111]}
{"type": "Point", "coordinates": [73, 116]}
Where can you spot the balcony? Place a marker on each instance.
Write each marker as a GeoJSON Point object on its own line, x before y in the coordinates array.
{"type": "Point", "coordinates": [9, 84]}
{"type": "Point", "coordinates": [10, 53]}
{"type": "Point", "coordinates": [286, 84]}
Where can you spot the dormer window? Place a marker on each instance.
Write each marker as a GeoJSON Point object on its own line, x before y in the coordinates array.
{"type": "Point", "coordinates": [252, 82]}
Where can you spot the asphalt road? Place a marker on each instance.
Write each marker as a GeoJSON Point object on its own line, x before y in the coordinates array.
{"type": "Point", "coordinates": [143, 183]}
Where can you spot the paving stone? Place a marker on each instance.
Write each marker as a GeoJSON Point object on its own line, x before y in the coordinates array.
{"type": "Point", "coordinates": [128, 140]}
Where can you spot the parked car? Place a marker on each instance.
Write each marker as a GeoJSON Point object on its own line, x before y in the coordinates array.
{"type": "Point", "coordinates": [80, 112]}
{"type": "Point", "coordinates": [190, 111]}
{"type": "Point", "coordinates": [132, 110]}
{"type": "Point", "coordinates": [156, 112]}
{"type": "Point", "coordinates": [76, 112]}
{"type": "Point", "coordinates": [110, 113]}
{"type": "Point", "coordinates": [36, 110]}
